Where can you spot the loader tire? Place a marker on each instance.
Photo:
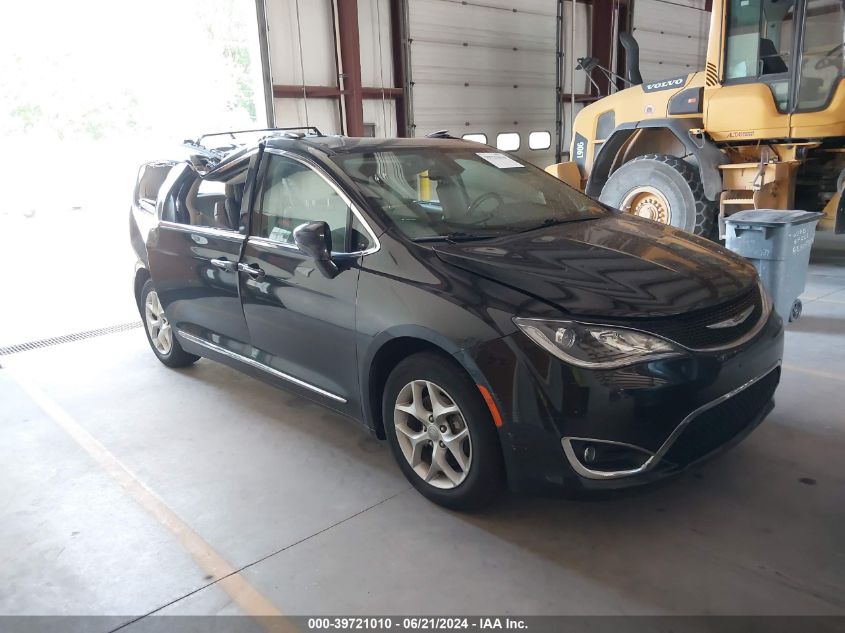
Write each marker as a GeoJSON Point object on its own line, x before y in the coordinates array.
{"type": "Point", "coordinates": [663, 188]}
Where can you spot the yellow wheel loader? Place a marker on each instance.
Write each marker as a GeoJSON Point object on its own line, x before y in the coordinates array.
{"type": "Point", "coordinates": [762, 126]}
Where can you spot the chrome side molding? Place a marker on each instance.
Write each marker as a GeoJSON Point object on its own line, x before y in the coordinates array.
{"type": "Point", "coordinates": [254, 363]}
{"type": "Point", "coordinates": [202, 230]}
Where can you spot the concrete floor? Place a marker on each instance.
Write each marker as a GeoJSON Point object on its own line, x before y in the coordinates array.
{"type": "Point", "coordinates": [128, 488]}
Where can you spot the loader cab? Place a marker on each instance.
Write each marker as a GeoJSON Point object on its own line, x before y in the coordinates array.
{"type": "Point", "coordinates": [780, 56]}
{"type": "Point", "coordinates": [758, 45]}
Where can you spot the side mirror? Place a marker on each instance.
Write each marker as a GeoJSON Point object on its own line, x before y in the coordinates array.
{"type": "Point", "coordinates": [315, 240]}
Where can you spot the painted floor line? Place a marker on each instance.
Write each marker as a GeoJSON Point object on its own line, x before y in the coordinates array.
{"type": "Point", "coordinates": [243, 594]}
{"type": "Point", "coordinates": [814, 372]}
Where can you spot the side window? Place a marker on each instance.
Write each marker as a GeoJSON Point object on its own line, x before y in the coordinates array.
{"type": "Point", "coordinates": [476, 138]}
{"type": "Point", "coordinates": [292, 194]}
{"type": "Point", "coordinates": [539, 140]}
{"type": "Point", "coordinates": [150, 178]}
{"type": "Point", "coordinates": [214, 204]}
{"type": "Point", "coordinates": [508, 141]}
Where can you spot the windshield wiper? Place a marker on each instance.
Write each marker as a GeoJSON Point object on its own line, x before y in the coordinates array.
{"type": "Point", "coordinates": [456, 236]}
{"type": "Point", "coordinates": [554, 222]}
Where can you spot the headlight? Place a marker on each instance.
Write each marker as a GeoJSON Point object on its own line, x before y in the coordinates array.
{"type": "Point", "coordinates": [596, 346]}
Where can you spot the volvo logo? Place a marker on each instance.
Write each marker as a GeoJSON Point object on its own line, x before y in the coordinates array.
{"type": "Point", "coordinates": [666, 84]}
{"type": "Point", "coordinates": [733, 321]}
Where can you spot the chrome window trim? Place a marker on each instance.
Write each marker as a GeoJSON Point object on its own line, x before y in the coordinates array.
{"type": "Point", "coordinates": [254, 363]}
{"type": "Point", "coordinates": [655, 458]}
{"type": "Point", "coordinates": [206, 230]}
{"type": "Point", "coordinates": [268, 243]}
{"type": "Point", "coordinates": [356, 211]}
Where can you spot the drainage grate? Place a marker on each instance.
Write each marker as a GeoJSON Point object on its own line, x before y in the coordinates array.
{"type": "Point", "coordinates": [67, 338]}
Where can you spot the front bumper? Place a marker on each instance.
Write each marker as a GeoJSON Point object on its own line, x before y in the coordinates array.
{"type": "Point", "coordinates": [642, 422]}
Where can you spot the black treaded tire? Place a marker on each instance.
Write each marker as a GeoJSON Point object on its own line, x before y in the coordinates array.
{"type": "Point", "coordinates": [677, 180]}
{"type": "Point", "coordinates": [177, 356]}
{"type": "Point", "coordinates": [485, 477]}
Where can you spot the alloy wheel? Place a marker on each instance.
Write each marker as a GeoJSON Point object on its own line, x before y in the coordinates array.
{"type": "Point", "coordinates": [158, 326]}
{"type": "Point", "coordinates": [433, 434]}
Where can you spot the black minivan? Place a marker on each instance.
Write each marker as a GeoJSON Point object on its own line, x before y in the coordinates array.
{"type": "Point", "coordinates": [492, 324]}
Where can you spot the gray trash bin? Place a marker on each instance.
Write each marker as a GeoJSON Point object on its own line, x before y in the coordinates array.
{"type": "Point", "coordinates": [778, 243]}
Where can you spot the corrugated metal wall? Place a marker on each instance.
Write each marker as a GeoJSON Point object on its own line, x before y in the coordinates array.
{"type": "Point", "coordinates": [488, 68]}
{"type": "Point", "coordinates": [303, 52]}
{"type": "Point", "coordinates": [377, 64]}
{"type": "Point", "coordinates": [485, 67]}
{"type": "Point", "coordinates": [672, 35]}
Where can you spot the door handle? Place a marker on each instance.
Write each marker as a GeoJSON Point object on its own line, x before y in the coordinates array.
{"type": "Point", "coordinates": [224, 264]}
{"type": "Point", "coordinates": [253, 270]}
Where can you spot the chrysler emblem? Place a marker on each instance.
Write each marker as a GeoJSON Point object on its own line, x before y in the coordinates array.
{"type": "Point", "coordinates": [733, 321]}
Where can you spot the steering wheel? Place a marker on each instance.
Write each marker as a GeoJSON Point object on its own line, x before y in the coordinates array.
{"type": "Point", "coordinates": [484, 197]}
{"type": "Point", "coordinates": [828, 59]}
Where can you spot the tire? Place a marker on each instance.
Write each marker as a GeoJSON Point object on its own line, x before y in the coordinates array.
{"type": "Point", "coordinates": [676, 180]}
{"type": "Point", "coordinates": [171, 355]}
{"type": "Point", "coordinates": [458, 488]}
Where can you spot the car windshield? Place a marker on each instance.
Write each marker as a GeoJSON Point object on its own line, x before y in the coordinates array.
{"type": "Point", "coordinates": [435, 193]}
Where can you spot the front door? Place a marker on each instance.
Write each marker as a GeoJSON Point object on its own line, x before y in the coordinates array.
{"type": "Point", "coordinates": [301, 323]}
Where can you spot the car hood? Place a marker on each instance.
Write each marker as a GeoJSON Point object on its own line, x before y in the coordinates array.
{"type": "Point", "coordinates": [612, 267]}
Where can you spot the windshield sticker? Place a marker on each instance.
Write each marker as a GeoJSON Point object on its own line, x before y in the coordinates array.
{"type": "Point", "coordinates": [499, 160]}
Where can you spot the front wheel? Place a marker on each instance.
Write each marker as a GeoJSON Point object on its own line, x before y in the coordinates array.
{"type": "Point", "coordinates": [663, 188]}
{"type": "Point", "coordinates": [441, 432]}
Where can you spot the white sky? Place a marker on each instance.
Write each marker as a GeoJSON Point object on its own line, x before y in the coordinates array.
{"type": "Point", "coordinates": [157, 64]}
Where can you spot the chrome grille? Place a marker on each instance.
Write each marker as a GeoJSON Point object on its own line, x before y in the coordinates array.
{"type": "Point", "coordinates": [690, 330]}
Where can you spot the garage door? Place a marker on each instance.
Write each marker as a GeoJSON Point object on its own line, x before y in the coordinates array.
{"type": "Point", "coordinates": [302, 51]}
{"type": "Point", "coordinates": [488, 69]}
{"type": "Point", "coordinates": [672, 36]}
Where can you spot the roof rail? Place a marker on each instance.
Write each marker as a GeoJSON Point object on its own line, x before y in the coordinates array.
{"type": "Point", "coordinates": [205, 158]}
{"type": "Point", "coordinates": [308, 128]}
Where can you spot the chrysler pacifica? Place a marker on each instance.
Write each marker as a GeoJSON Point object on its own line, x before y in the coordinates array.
{"type": "Point", "coordinates": [493, 325]}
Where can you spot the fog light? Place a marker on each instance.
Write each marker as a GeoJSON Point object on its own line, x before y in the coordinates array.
{"type": "Point", "coordinates": [596, 459]}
